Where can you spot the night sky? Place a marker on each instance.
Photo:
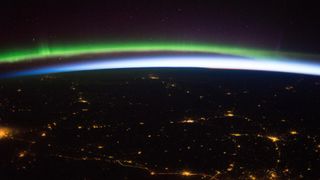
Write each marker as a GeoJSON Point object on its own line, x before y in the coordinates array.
{"type": "Point", "coordinates": [276, 25]}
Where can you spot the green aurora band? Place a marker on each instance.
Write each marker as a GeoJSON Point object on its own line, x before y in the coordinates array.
{"type": "Point", "coordinates": [78, 49]}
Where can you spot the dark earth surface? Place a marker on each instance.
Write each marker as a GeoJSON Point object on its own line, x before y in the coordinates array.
{"type": "Point", "coordinates": [160, 124]}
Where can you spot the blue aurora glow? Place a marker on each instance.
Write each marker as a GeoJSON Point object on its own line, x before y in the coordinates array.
{"type": "Point", "coordinates": [193, 61]}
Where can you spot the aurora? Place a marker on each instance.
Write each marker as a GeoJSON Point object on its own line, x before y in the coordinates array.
{"type": "Point", "coordinates": [77, 49]}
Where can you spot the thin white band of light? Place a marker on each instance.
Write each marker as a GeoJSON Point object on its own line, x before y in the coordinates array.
{"type": "Point", "coordinates": [211, 62]}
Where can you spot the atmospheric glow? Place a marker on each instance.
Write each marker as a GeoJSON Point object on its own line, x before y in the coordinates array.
{"type": "Point", "coordinates": [192, 61]}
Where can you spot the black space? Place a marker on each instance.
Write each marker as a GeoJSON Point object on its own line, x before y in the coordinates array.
{"type": "Point", "coordinates": [277, 25]}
